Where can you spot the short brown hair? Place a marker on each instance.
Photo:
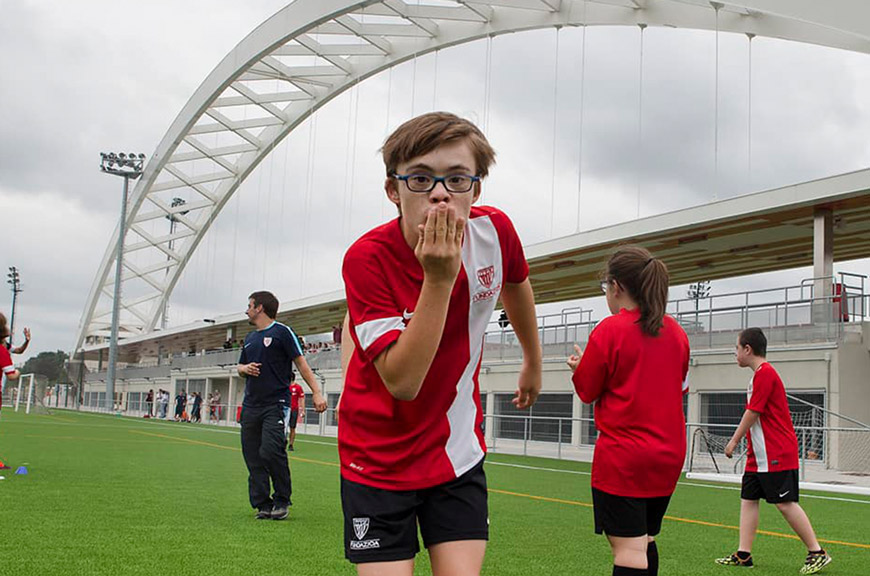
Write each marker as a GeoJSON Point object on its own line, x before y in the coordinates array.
{"type": "Point", "coordinates": [421, 135]}
{"type": "Point", "coordinates": [755, 339]}
{"type": "Point", "coordinates": [645, 278]}
{"type": "Point", "coordinates": [4, 331]}
{"type": "Point", "coordinates": [267, 300]}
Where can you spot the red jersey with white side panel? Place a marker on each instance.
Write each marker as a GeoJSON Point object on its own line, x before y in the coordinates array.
{"type": "Point", "coordinates": [6, 366]}
{"type": "Point", "coordinates": [772, 441]}
{"type": "Point", "coordinates": [637, 382]}
{"type": "Point", "coordinates": [411, 445]}
{"type": "Point", "coordinates": [296, 393]}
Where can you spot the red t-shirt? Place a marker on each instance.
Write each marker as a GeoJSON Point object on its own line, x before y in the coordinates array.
{"type": "Point", "coordinates": [772, 442]}
{"type": "Point", "coordinates": [410, 445]}
{"type": "Point", "coordinates": [6, 367]}
{"type": "Point", "coordinates": [296, 393]}
{"type": "Point", "coordinates": [637, 382]}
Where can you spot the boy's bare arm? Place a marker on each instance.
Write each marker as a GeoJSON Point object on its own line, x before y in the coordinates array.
{"type": "Point", "coordinates": [519, 303]}
{"type": "Point", "coordinates": [749, 418]}
{"type": "Point", "coordinates": [403, 366]}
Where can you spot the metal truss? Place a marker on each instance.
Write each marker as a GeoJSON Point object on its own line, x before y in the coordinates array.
{"type": "Point", "coordinates": [313, 50]}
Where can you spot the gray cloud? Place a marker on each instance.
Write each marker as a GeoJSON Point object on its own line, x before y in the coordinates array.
{"type": "Point", "coordinates": [77, 94]}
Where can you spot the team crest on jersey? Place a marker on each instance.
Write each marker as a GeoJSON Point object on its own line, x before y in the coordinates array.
{"type": "Point", "coordinates": [486, 275]}
{"type": "Point", "coordinates": [266, 341]}
{"type": "Point", "coordinates": [360, 527]}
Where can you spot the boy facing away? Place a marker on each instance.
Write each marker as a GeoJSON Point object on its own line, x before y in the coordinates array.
{"type": "Point", "coordinates": [421, 290]}
{"type": "Point", "coordinates": [772, 460]}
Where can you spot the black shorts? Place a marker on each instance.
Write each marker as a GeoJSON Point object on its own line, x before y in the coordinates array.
{"type": "Point", "coordinates": [294, 416]}
{"type": "Point", "coordinates": [381, 525]}
{"type": "Point", "coordinates": [774, 487]}
{"type": "Point", "coordinates": [628, 517]}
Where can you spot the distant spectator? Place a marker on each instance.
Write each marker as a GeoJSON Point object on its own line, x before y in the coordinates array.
{"type": "Point", "coordinates": [216, 404]}
{"type": "Point", "coordinates": [336, 334]}
{"type": "Point", "coordinates": [196, 414]}
{"type": "Point", "coordinates": [180, 403]}
{"type": "Point", "coordinates": [189, 407]}
{"type": "Point", "coordinates": [228, 344]}
{"type": "Point", "coordinates": [149, 403]}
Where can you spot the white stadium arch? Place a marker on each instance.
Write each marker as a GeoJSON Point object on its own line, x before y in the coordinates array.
{"type": "Point", "coordinates": [313, 50]}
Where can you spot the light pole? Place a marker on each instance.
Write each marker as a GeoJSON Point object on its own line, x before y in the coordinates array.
{"type": "Point", "coordinates": [14, 280]}
{"type": "Point", "coordinates": [128, 166]}
{"type": "Point", "coordinates": [173, 219]}
{"type": "Point", "coordinates": [697, 291]}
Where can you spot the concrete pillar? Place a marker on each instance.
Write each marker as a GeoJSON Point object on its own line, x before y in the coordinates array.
{"type": "Point", "coordinates": [823, 264]}
{"type": "Point", "coordinates": [230, 401]}
{"type": "Point", "coordinates": [490, 424]}
{"type": "Point", "coordinates": [205, 403]}
{"type": "Point", "coordinates": [577, 424]}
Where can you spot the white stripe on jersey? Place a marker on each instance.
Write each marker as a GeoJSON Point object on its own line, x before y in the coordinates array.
{"type": "Point", "coordinates": [686, 383]}
{"type": "Point", "coordinates": [759, 448]}
{"type": "Point", "coordinates": [368, 332]}
{"type": "Point", "coordinates": [481, 249]}
{"type": "Point", "coordinates": [9, 369]}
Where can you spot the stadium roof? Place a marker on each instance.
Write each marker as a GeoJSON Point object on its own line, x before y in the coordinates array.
{"type": "Point", "coordinates": [762, 232]}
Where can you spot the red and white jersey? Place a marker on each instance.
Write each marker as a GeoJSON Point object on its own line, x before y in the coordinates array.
{"type": "Point", "coordinates": [6, 367]}
{"type": "Point", "coordinates": [772, 441]}
{"type": "Point", "coordinates": [296, 393]}
{"type": "Point", "coordinates": [637, 382]}
{"type": "Point", "coordinates": [410, 445]}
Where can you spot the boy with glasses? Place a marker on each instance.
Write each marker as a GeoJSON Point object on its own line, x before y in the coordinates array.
{"type": "Point", "coordinates": [421, 290]}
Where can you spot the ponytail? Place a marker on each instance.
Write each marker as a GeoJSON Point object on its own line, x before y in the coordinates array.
{"type": "Point", "coordinates": [645, 277]}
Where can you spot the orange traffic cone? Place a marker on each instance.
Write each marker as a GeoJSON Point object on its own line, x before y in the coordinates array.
{"type": "Point", "coordinates": [4, 466]}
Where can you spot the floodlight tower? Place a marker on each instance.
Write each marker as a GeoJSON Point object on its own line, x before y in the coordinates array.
{"type": "Point", "coordinates": [697, 291]}
{"type": "Point", "coordinates": [14, 281]}
{"type": "Point", "coordinates": [129, 167]}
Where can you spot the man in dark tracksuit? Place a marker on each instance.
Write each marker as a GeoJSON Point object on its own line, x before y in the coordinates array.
{"type": "Point", "coordinates": [266, 364]}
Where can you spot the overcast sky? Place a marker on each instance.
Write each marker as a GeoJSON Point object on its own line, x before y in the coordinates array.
{"type": "Point", "coordinates": [78, 78]}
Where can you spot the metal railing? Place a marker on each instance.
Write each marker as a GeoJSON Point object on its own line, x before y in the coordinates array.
{"type": "Point", "coordinates": [791, 314]}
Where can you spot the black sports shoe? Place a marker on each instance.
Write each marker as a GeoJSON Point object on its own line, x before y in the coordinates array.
{"type": "Point", "coordinates": [290, 448]}
{"type": "Point", "coordinates": [280, 512]}
{"type": "Point", "coordinates": [735, 560]}
{"type": "Point", "coordinates": [264, 514]}
{"type": "Point", "coordinates": [815, 561]}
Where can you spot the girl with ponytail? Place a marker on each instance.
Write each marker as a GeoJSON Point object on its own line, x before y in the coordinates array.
{"type": "Point", "coordinates": [634, 369]}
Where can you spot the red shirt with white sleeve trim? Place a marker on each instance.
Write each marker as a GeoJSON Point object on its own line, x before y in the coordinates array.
{"type": "Point", "coordinates": [409, 445]}
{"type": "Point", "coordinates": [296, 393]}
{"type": "Point", "coordinates": [772, 441]}
{"type": "Point", "coordinates": [637, 382]}
{"type": "Point", "coordinates": [6, 366]}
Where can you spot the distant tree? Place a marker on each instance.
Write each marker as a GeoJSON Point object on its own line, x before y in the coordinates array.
{"type": "Point", "coordinates": [49, 364]}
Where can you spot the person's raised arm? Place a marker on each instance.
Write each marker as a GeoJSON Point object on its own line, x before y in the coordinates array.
{"type": "Point", "coordinates": [750, 417]}
{"type": "Point", "coordinates": [519, 303]}
{"type": "Point", "coordinates": [23, 347]}
{"type": "Point", "coordinates": [404, 365]}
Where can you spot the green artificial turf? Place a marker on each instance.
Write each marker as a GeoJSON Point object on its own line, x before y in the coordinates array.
{"type": "Point", "coordinates": [113, 496]}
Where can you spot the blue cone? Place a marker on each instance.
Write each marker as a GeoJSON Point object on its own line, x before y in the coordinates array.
{"type": "Point", "coordinates": [21, 470]}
